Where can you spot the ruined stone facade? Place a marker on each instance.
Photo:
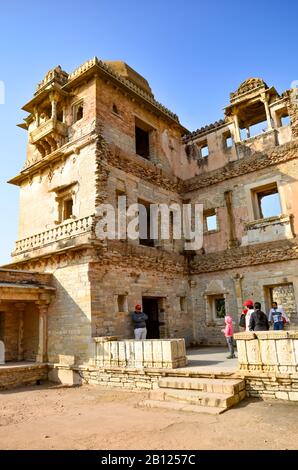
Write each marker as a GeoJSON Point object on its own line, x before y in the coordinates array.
{"type": "Point", "coordinates": [98, 133]}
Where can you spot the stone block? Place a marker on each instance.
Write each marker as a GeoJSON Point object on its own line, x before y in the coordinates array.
{"type": "Point", "coordinates": [282, 395]}
{"type": "Point", "coordinates": [293, 396]}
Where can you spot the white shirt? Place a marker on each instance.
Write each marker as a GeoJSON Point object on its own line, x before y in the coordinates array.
{"type": "Point", "coordinates": [276, 318]}
{"type": "Point", "coordinates": [247, 318]}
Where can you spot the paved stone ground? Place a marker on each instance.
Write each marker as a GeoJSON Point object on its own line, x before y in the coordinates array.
{"type": "Point", "coordinates": [211, 359]}
{"type": "Point", "coordinates": [89, 417]}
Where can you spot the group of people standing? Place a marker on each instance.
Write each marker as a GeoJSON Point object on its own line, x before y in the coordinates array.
{"type": "Point", "coordinates": [253, 319]}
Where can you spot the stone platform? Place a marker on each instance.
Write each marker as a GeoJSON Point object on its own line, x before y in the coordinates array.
{"type": "Point", "coordinates": [153, 353]}
{"type": "Point", "coordinates": [16, 374]}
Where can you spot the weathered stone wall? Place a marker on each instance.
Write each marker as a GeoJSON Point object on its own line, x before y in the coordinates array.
{"type": "Point", "coordinates": [40, 192]}
{"type": "Point", "coordinates": [135, 273]}
{"type": "Point", "coordinates": [237, 285]}
{"type": "Point", "coordinates": [212, 196]}
{"type": "Point", "coordinates": [69, 315]}
{"type": "Point", "coordinates": [11, 377]}
{"type": "Point", "coordinates": [166, 148]}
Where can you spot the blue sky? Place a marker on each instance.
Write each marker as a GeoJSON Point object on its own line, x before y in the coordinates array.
{"type": "Point", "coordinates": [193, 53]}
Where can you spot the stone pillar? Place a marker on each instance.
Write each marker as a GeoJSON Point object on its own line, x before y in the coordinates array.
{"type": "Point", "coordinates": [233, 241]}
{"type": "Point", "coordinates": [20, 307]}
{"type": "Point", "coordinates": [238, 291]}
{"type": "Point", "coordinates": [264, 99]}
{"type": "Point", "coordinates": [54, 100]}
{"type": "Point", "coordinates": [237, 137]}
{"type": "Point", "coordinates": [42, 332]}
{"type": "Point", "coordinates": [37, 117]}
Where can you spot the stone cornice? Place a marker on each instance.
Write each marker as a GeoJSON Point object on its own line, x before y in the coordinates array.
{"type": "Point", "coordinates": [245, 256]}
{"type": "Point", "coordinates": [256, 161]}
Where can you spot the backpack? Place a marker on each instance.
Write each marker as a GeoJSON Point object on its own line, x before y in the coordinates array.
{"type": "Point", "coordinates": [242, 321]}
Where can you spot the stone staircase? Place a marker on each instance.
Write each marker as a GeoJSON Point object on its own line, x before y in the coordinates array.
{"type": "Point", "coordinates": [202, 395]}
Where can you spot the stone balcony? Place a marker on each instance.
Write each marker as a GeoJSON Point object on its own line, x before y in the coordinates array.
{"type": "Point", "coordinates": [66, 234]}
{"type": "Point", "coordinates": [268, 230]}
{"type": "Point", "coordinates": [49, 136]}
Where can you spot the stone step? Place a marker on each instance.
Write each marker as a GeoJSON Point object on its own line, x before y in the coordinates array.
{"type": "Point", "coordinates": [182, 407]}
{"type": "Point", "coordinates": [230, 386]}
{"type": "Point", "coordinates": [195, 397]}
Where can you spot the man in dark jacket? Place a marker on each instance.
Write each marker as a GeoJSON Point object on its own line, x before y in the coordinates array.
{"type": "Point", "coordinates": [258, 320]}
{"type": "Point", "coordinates": [139, 319]}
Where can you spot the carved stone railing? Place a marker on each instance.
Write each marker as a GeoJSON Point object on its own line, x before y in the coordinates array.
{"type": "Point", "coordinates": [46, 128]}
{"type": "Point", "coordinates": [155, 353]}
{"type": "Point", "coordinates": [268, 351]}
{"type": "Point", "coordinates": [49, 136]}
{"type": "Point", "coordinates": [65, 230]}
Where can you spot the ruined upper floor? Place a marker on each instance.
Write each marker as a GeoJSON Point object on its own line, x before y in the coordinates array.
{"type": "Point", "coordinates": [256, 120]}
{"type": "Point", "coordinates": [150, 157]}
{"type": "Point", "coordinates": [111, 98]}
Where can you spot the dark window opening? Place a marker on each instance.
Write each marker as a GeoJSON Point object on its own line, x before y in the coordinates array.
{"type": "Point", "coordinates": [60, 115]}
{"type": "Point", "coordinates": [79, 113]}
{"type": "Point", "coordinates": [142, 142]}
{"type": "Point", "coordinates": [67, 211]}
{"type": "Point", "coordinates": [115, 109]}
{"type": "Point", "coordinates": [151, 308]}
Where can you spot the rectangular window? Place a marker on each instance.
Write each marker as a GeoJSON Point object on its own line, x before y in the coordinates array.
{"type": "Point", "coordinates": [119, 193]}
{"type": "Point", "coordinates": [145, 224]}
{"type": "Point", "coordinates": [183, 304]}
{"type": "Point", "coordinates": [210, 221]}
{"type": "Point", "coordinates": [282, 117]}
{"type": "Point", "coordinates": [78, 111]}
{"type": "Point", "coordinates": [67, 209]}
{"type": "Point", "coordinates": [227, 140]}
{"type": "Point", "coordinates": [267, 202]}
{"type": "Point", "coordinates": [219, 307]}
{"type": "Point", "coordinates": [142, 142]}
{"type": "Point", "coordinates": [122, 303]}
{"type": "Point", "coordinates": [285, 121]}
{"type": "Point", "coordinates": [204, 151]}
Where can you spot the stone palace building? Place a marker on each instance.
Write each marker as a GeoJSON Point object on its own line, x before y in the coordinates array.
{"type": "Point", "coordinates": [98, 133]}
